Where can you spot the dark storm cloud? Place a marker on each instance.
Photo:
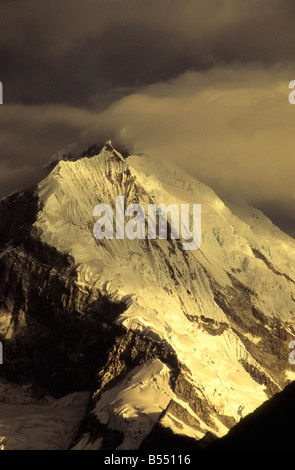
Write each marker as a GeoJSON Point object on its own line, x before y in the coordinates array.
{"type": "Point", "coordinates": [30, 135]}
{"type": "Point", "coordinates": [67, 51]}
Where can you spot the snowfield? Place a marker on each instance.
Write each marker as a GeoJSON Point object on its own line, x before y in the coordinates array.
{"type": "Point", "coordinates": [170, 298]}
{"type": "Point", "coordinates": [48, 424]}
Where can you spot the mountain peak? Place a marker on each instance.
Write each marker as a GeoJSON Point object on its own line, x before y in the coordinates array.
{"type": "Point", "coordinates": [108, 147]}
{"type": "Point", "coordinates": [185, 341]}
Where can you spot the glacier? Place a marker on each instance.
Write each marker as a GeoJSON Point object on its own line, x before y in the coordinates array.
{"type": "Point", "coordinates": [198, 339]}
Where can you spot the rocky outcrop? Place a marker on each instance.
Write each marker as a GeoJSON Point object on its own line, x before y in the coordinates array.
{"type": "Point", "coordinates": [164, 339]}
{"type": "Point", "coordinates": [53, 333]}
{"type": "Point", "coordinates": [269, 427]}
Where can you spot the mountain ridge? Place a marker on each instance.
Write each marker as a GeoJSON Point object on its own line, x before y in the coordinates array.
{"type": "Point", "coordinates": [194, 355]}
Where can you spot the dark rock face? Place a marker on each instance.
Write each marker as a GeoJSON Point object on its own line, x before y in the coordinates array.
{"type": "Point", "coordinates": [190, 394]}
{"type": "Point", "coordinates": [91, 426]}
{"type": "Point", "coordinates": [58, 333]}
{"type": "Point", "coordinates": [269, 427]}
{"type": "Point", "coordinates": [17, 213]}
{"type": "Point", "coordinates": [59, 338]}
{"type": "Point", "coordinates": [128, 351]}
{"type": "Point", "coordinates": [272, 351]}
{"type": "Point", "coordinates": [162, 438]}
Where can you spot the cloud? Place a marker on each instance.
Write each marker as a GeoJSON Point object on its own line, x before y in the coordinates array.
{"type": "Point", "coordinates": [68, 51]}
{"type": "Point", "coordinates": [230, 127]}
{"type": "Point", "coordinates": [30, 135]}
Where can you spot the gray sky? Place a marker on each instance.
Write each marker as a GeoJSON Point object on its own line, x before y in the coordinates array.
{"type": "Point", "coordinates": [203, 83]}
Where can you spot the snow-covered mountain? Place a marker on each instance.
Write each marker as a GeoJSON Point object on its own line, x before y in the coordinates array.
{"type": "Point", "coordinates": [167, 341]}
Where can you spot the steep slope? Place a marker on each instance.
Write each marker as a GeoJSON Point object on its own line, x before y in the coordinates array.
{"type": "Point", "coordinates": [269, 427]}
{"type": "Point", "coordinates": [165, 339]}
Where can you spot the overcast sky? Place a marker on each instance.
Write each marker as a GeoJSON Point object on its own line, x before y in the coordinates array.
{"type": "Point", "coordinates": [203, 83]}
